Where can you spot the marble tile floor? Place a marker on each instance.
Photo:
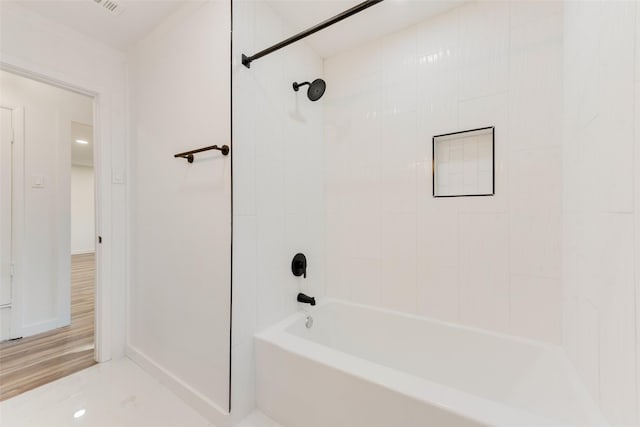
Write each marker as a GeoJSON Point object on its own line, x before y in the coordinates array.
{"type": "Point", "coordinates": [258, 419]}
{"type": "Point", "coordinates": [116, 393]}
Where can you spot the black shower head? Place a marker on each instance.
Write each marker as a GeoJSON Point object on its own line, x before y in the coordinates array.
{"type": "Point", "coordinates": [316, 88]}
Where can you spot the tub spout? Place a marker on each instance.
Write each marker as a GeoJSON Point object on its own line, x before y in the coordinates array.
{"type": "Point", "coordinates": [306, 299]}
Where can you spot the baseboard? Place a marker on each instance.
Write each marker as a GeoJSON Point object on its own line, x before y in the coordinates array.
{"type": "Point", "coordinates": [83, 252]}
{"type": "Point", "coordinates": [208, 409]}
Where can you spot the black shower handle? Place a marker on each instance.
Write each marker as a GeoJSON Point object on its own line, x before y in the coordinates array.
{"type": "Point", "coordinates": [299, 265]}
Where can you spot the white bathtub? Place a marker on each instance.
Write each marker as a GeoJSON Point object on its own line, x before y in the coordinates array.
{"type": "Point", "coordinates": [359, 366]}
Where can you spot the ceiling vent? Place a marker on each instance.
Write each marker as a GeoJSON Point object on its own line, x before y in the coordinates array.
{"type": "Point", "coordinates": [110, 6]}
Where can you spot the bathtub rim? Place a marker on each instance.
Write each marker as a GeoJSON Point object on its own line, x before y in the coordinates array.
{"type": "Point", "coordinates": [324, 301]}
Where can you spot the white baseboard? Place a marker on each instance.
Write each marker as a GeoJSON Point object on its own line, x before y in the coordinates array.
{"type": "Point", "coordinates": [208, 409]}
{"type": "Point", "coordinates": [83, 251]}
{"type": "Point", "coordinates": [5, 323]}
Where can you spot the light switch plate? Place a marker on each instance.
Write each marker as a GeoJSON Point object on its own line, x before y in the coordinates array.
{"type": "Point", "coordinates": [37, 181]}
{"type": "Point", "coordinates": [117, 176]}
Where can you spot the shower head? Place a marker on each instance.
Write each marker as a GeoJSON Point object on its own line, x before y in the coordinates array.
{"type": "Point", "coordinates": [316, 88]}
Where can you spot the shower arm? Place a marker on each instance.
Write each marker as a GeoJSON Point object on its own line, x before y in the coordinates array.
{"type": "Point", "coordinates": [246, 60]}
{"type": "Point", "coordinates": [297, 86]}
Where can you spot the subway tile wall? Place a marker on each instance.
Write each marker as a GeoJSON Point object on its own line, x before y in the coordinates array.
{"type": "Point", "coordinates": [348, 180]}
{"type": "Point", "coordinates": [492, 262]}
{"type": "Point", "coordinates": [601, 215]}
{"type": "Point", "coordinates": [278, 185]}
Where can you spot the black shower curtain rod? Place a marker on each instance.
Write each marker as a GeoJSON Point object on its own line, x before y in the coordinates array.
{"type": "Point", "coordinates": [246, 60]}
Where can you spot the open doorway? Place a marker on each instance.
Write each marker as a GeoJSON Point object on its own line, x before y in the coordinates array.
{"type": "Point", "coordinates": [48, 251]}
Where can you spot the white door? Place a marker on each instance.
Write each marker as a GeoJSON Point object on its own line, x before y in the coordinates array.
{"type": "Point", "coordinates": [6, 140]}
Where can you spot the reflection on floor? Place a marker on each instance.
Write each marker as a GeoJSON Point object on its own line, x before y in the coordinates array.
{"type": "Point", "coordinates": [258, 419]}
{"type": "Point", "coordinates": [116, 393]}
{"type": "Point", "coordinates": [119, 393]}
{"type": "Point", "coordinates": [40, 359]}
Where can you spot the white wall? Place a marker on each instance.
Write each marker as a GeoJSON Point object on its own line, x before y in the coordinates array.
{"type": "Point", "coordinates": [491, 262]}
{"type": "Point", "coordinates": [278, 190]}
{"type": "Point", "coordinates": [636, 210]}
{"type": "Point", "coordinates": [179, 295]}
{"type": "Point", "coordinates": [6, 136]}
{"type": "Point", "coordinates": [41, 290]}
{"type": "Point", "coordinates": [82, 210]}
{"type": "Point", "coordinates": [41, 47]}
{"type": "Point", "coordinates": [601, 192]}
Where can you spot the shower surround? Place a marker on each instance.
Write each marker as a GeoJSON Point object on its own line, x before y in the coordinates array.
{"type": "Point", "coordinates": [492, 262]}
{"type": "Point", "coordinates": [364, 154]}
{"type": "Point", "coordinates": [601, 203]}
{"type": "Point", "coordinates": [278, 190]}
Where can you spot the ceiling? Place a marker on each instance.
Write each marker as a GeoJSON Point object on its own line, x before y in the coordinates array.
{"type": "Point", "coordinates": [120, 31]}
{"type": "Point", "coordinates": [139, 17]}
{"type": "Point", "coordinates": [375, 22]}
{"type": "Point", "coordinates": [81, 154]}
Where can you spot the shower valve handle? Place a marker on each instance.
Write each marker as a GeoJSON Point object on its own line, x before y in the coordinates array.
{"type": "Point", "coordinates": [299, 265]}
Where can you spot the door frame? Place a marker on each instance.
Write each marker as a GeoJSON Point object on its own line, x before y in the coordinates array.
{"type": "Point", "coordinates": [17, 210]}
{"type": "Point", "coordinates": [102, 312]}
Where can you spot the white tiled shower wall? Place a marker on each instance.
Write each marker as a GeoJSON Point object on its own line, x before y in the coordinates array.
{"type": "Point", "coordinates": [278, 189]}
{"type": "Point", "coordinates": [601, 214]}
{"type": "Point", "coordinates": [491, 262]}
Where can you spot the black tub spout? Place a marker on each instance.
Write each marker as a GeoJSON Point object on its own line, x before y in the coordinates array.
{"type": "Point", "coordinates": [306, 299]}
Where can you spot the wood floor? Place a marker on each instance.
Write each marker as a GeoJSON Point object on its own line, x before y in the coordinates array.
{"type": "Point", "coordinates": [30, 362]}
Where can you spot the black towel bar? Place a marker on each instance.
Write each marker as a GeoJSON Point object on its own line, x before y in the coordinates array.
{"type": "Point", "coordinates": [189, 154]}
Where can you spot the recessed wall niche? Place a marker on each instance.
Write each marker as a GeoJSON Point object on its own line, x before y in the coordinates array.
{"type": "Point", "coordinates": [463, 163]}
